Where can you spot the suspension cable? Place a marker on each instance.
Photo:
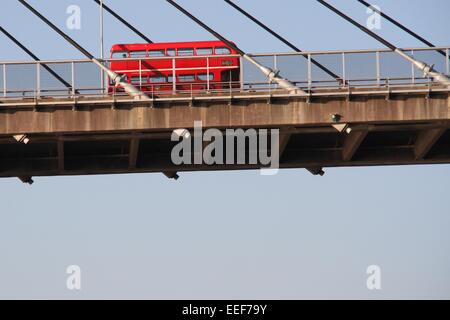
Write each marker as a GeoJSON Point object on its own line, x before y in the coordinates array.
{"type": "Point", "coordinates": [282, 39]}
{"type": "Point", "coordinates": [401, 26]}
{"type": "Point", "coordinates": [427, 70]}
{"type": "Point", "coordinates": [36, 58]}
{"type": "Point", "coordinates": [126, 23]}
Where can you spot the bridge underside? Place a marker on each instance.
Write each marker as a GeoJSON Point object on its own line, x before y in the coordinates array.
{"type": "Point", "coordinates": [131, 136]}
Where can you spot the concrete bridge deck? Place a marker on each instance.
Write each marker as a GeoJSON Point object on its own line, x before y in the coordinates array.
{"type": "Point", "coordinates": [402, 126]}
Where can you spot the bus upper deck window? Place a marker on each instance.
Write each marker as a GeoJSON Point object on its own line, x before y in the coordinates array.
{"type": "Point", "coordinates": [204, 51]}
{"type": "Point", "coordinates": [171, 52]}
{"type": "Point", "coordinates": [186, 52]}
{"type": "Point", "coordinates": [138, 54]}
{"type": "Point", "coordinates": [156, 53]}
{"type": "Point", "coordinates": [223, 50]}
{"type": "Point", "coordinates": [119, 55]}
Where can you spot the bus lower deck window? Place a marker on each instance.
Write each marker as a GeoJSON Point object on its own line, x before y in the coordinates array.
{"type": "Point", "coordinates": [136, 79]}
{"type": "Point", "coordinates": [186, 78]}
{"type": "Point", "coordinates": [157, 79]}
{"type": "Point", "coordinates": [206, 77]}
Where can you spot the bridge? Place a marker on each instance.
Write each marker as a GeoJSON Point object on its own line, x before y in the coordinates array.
{"type": "Point", "coordinates": [380, 110]}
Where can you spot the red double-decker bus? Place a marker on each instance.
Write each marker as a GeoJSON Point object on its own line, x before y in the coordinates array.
{"type": "Point", "coordinates": [176, 66]}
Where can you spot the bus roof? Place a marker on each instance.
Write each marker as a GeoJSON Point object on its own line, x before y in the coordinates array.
{"type": "Point", "coordinates": [164, 45]}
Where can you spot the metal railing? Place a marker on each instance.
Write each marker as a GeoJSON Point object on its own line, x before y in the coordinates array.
{"type": "Point", "coordinates": [357, 69]}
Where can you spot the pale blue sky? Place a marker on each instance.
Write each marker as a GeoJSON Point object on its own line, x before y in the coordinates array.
{"type": "Point", "coordinates": [227, 234]}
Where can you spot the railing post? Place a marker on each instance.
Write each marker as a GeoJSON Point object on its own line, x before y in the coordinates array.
{"type": "Point", "coordinates": [344, 69]}
{"type": "Point", "coordinates": [309, 72]}
{"type": "Point", "coordinates": [72, 65]}
{"type": "Point", "coordinates": [140, 74]}
{"type": "Point", "coordinates": [241, 76]}
{"type": "Point", "coordinates": [4, 80]}
{"type": "Point", "coordinates": [38, 79]}
{"type": "Point", "coordinates": [102, 82]}
{"type": "Point", "coordinates": [447, 64]}
{"type": "Point", "coordinates": [174, 76]}
{"type": "Point", "coordinates": [231, 86]}
{"type": "Point", "coordinates": [378, 68]}
{"type": "Point", "coordinates": [105, 82]}
{"type": "Point", "coordinates": [207, 73]}
{"type": "Point", "coordinates": [275, 65]}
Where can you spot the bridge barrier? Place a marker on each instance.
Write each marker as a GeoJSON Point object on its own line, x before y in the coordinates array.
{"type": "Point", "coordinates": [356, 68]}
